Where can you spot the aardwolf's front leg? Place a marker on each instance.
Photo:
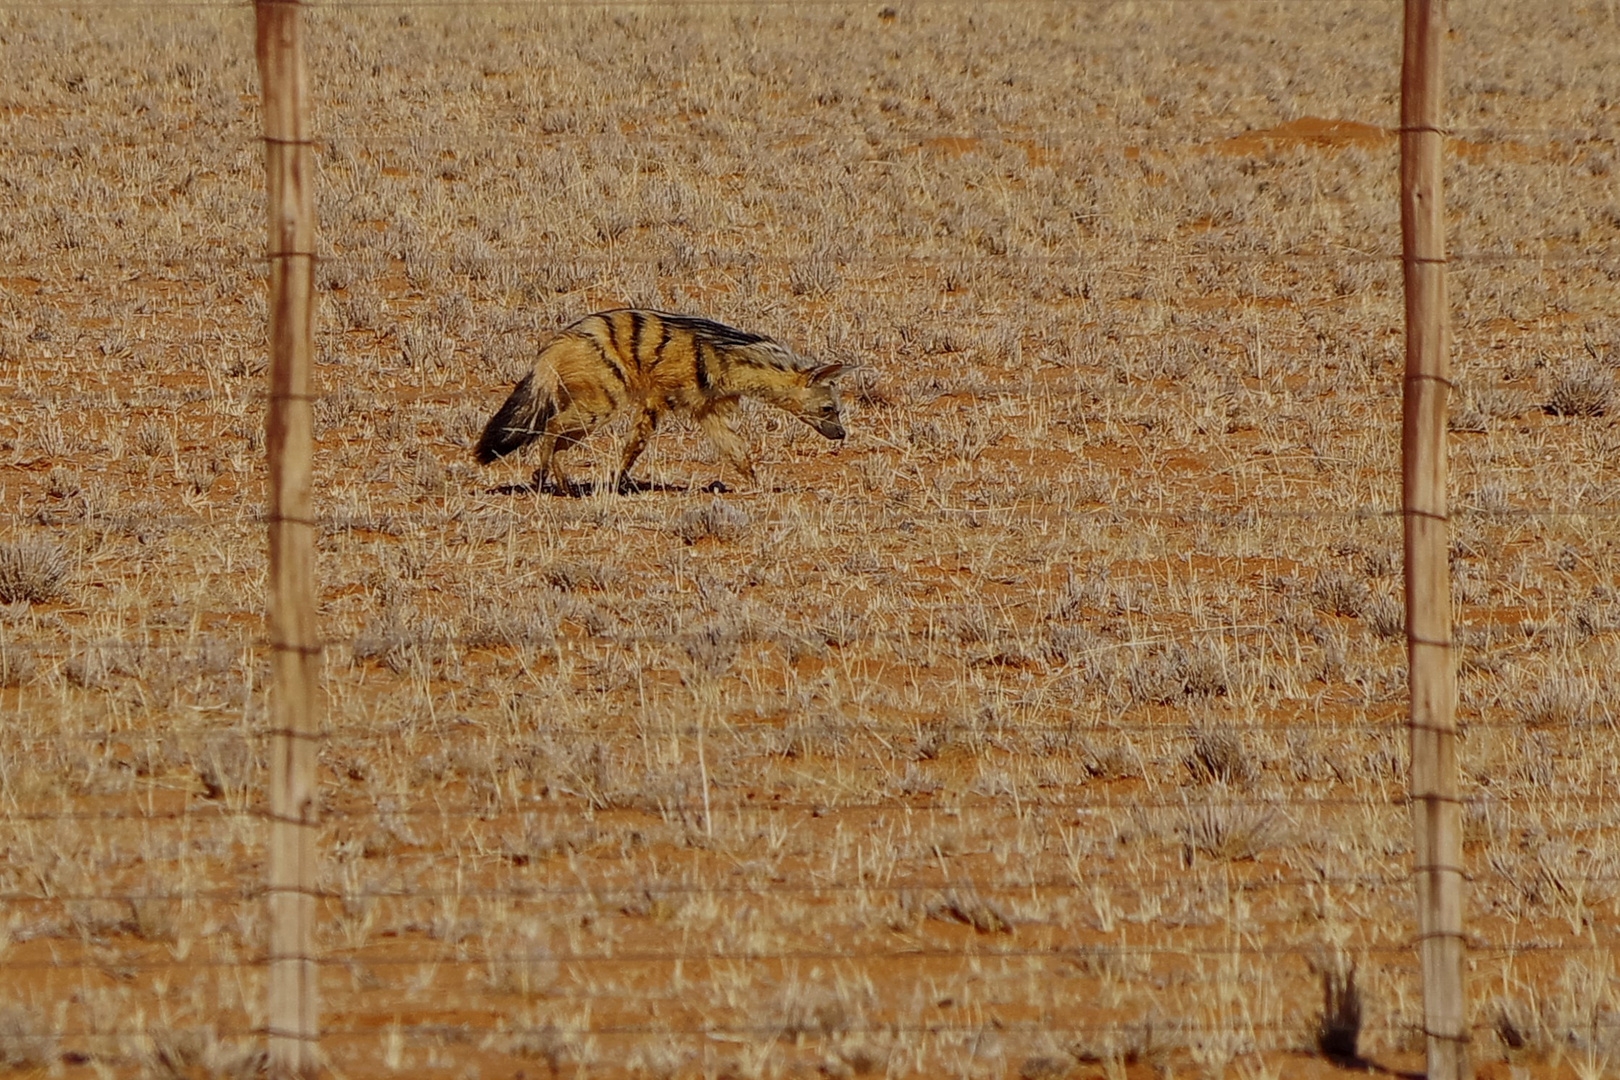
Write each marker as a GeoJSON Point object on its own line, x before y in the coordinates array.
{"type": "Point", "coordinates": [646, 424]}
{"type": "Point", "coordinates": [715, 419]}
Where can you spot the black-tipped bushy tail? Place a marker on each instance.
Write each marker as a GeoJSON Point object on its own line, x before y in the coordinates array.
{"type": "Point", "coordinates": [518, 423]}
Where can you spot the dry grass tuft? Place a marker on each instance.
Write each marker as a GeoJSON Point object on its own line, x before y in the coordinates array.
{"type": "Point", "coordinates": [1386, 617]}
{"type": "Point", "coordinates": [970, 909]}
{"type": "Point", "coordinates": [1338, 1033]}
{"type": "Point", "coordinates": [1340, 594]}
{"type": "Point", "coordinates": [154, 439]}
{"type": "Point", "coordinates": [1563, 701]}
{"type": "Point", "coordinates": [27, 1040]}
{"type": "Point", "coordinates": [1582, 390]}
{"type": "Point", "coordinates": [32, 571]}
{"type": "Point", "coordinates": [716, 519]}
{"type": "Point", "coordinates": [1218, 755]}
{"type": "Point", "coordinates": [1229, 830]}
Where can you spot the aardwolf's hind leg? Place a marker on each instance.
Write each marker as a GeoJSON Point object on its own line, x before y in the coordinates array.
{"type": "Point", "coordinates": [552, 443]}
{"type": "Point", "coordinates": [548, 450]}
{"type": "Point", "coordinates": [565, 440]}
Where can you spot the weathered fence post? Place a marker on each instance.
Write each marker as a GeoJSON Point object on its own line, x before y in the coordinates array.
{"type": "Point", "coordinates": [1436, 809]}
{"type": "Point", "coordinates": [295, 648]}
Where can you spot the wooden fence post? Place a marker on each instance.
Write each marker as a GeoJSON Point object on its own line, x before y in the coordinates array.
{"type": "Point", "coordinates": [295, 648]}
{"type": "Point", "coordinates": [1436, 808]}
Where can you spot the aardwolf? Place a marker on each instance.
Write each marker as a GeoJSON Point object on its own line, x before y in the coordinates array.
{"type": "Point", "coordinates": [649, 363]}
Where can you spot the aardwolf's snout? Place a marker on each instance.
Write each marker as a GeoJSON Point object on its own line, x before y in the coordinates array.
{"type": "Point", "coordinates": [830, 428]}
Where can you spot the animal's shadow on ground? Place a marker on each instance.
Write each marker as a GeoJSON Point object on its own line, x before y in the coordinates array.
{"type": "Point", "coordinates": [1373, 1068]}
{"type": "Point", "coordinates": [583, 489]}
{"type": "Point", "coordinates": [1353, 1061]}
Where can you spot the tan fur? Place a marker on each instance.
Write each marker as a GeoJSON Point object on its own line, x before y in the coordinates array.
{"type": "Point", "coordinates": [649, 363]}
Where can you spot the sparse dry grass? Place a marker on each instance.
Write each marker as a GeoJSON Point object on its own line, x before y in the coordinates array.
{"type": "Point", "coordinates": [1049, 726]}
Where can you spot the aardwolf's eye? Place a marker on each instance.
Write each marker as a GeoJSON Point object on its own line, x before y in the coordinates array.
{"type": "Point", "coordinates": [828, 409]}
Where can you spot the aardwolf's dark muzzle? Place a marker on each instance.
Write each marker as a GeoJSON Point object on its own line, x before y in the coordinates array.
{"type": "Point", "coordinates": [830, 428]}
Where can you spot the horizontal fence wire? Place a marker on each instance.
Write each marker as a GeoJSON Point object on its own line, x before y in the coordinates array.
{"type": "Point", "coordinates": [1196, 252]}
{"type": "Point", "coordinates": [1227, 800]}
{"type": "Point", "coordinates": [995, 732]}
{"type": "Point", "coordinates": [963, 885]}
{"type": "Point", "coordinates": [538, 893]}
{"type": "Point", "coordinates": [978, 953]}
{"type": "Point", "coordinates": [1017, 137]}
{"type": "Point", "coordinates": [465, 5]}
{"type": "Point", "coordinates": [1240, 513]}
{"type": "Point", "coordinates": [374, 646]}
{"type": "Point", "coordinates": [923, 390]}
{"type": "Point", "coordinates": [786, 1030]}
{"type": "Point", "coordinates": [997, 737]}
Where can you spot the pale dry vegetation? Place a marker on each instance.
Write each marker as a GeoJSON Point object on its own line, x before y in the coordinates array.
{"type": "Point", "coordinates": [1049, 726]}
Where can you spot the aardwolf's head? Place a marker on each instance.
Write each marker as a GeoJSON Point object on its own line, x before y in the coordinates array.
{"type": "Point", "coordinates": [816, 400]}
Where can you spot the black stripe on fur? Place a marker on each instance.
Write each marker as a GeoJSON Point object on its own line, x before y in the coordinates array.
{"type": "Point", "coordinates": [726, 337]}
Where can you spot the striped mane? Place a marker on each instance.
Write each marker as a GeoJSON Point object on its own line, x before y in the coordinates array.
{"type": "Point", "coordinates": [756, 350]}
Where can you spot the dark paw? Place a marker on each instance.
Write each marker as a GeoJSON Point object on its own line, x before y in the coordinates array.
{"type": "Point", "coordinates": [716, 487]}
{"type": "Point", "coordinates": [562, 489]}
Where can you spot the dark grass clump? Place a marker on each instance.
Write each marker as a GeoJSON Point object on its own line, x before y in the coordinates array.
{"type": "Point", "coordinates": [1338, 1034]}
{"type": "Point", "coordinates": [1583, 390]}
{"type": "Point", "coordinates": [1218, 756]}
{"type": "Point", "coordinates": [32, 571]}
{"type": "Point", "coordinates": [1340, 594]}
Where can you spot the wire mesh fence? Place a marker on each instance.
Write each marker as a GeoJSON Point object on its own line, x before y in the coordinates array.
{"type": "Point", "coordinates": [1052, 725]}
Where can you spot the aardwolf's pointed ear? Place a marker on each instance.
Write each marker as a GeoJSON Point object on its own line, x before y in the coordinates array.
{"type": "Point", "coordinates": [826, 373]}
